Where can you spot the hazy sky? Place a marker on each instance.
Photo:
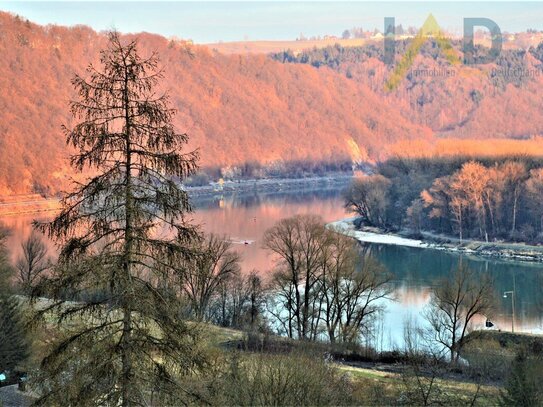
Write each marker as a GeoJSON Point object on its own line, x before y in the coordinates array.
{"type": "Point", "coordinates": [232, 21]}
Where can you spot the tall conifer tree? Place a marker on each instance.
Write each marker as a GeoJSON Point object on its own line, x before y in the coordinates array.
{"type": "Point", "coordinates": [121, 233]}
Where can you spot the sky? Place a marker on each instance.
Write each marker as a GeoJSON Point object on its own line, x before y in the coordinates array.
{"type": "Point", "coordinates": [207, 21]}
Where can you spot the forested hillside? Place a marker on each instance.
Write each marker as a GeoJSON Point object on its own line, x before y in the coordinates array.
{"type": "Point", "coordinates": [497, 100]}
{"type": "Point", "coordinates": [326, 107]}
{"type": "Point", "coordinates": [237, 109]}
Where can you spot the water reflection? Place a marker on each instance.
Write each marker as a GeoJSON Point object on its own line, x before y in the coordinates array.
{"type": "Point", "coordinates": [417, 270]}
{"type": "Point", "coordinates": [246, 216]}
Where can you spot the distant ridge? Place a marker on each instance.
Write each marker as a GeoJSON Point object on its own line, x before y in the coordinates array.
{"type": "Point", "coordinates": [266, 47]}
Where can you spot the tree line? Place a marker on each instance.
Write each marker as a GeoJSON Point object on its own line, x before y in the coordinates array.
{"type": "Point", "coordinates": [480, 199]}
{"type": "Point", "coordinates": [478, 111]}
{"type": "Point", "coordinates": [338, 57]}
{"type": "Point", "coordinates": [280, 169]}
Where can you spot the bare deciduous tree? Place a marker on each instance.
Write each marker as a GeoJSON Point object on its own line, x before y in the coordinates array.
{"type": "Point", "coordinates": [297, 242]}
{"type": "Point", "coordinates": [472, 182]}
{"type": "Point", "coordinates": [322, 285]}
{"type": "Point", "coordinates": [456, 300]}
{"type": "Point", "coordinates": [515, 175]}
{"type": "Point", "coordinates": [534, 188]}
{"type": "Point", "coordinates": [423, 374]}
{"type": "Point", "coordinates": [215, 263]}
{"type": "Point", "coordinates": [369, 197]}
{"type": "Point", "coordinates": [238, 301]}
{"type": "Point", "coordinates": [351, 288]}
{"type": "Point", "coordinates": [33, 262]}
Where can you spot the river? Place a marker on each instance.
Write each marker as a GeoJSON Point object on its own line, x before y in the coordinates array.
{"type": "Point", "coordinates": [245, 217]}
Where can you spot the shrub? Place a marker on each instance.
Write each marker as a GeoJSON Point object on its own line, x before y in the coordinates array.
{"type": "Point", "coordinates": [282, 380]}
{"type": "Point", "coordinates": [523, 387]}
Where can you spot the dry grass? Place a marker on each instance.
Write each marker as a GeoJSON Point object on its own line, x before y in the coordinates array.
{"type": "Point", "coordinates": [390, 386]}
{"type": "Point", "coordinates": [266, 47]}
{"type": "Point", "coordinates": [368, 384]}
{"type": "Point", "coordinates": [476, 148]}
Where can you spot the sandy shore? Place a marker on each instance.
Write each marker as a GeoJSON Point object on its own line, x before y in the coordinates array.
{"type": "Point", "coordinates": [510, 251]}
{"type": "Point", "coordinates": [346, 226]}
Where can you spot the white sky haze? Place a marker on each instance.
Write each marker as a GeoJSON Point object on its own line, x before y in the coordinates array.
{"type": "Point", "coordinates": [207, 21]}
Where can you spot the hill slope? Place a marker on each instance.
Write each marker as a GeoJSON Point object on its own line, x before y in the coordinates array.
{"type": "Point", "coordinates": [320, 105]}
{"type": "Point", "coordinates": [487, 101]}
{"type": "Point", "coordinates": [235, 108]}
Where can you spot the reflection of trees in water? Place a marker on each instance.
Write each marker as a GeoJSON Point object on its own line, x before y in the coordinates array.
{"type": "Point", "coordinates": [539, 293]}
{"type": "Point", "coordinates": [423, 267]}
{"type": "Point", "coordinates": [248, 199]}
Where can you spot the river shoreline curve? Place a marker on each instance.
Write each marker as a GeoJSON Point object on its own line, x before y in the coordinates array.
{"type": "Point", "coordinates": [505, 251]}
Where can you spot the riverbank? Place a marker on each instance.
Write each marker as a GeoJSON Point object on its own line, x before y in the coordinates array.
{"type": "Point", "coordinates": [269, 185]}
{"type": "Point", "coordinates": [506, 251]}
{"type": "Point", "coordinates": [35, 203]}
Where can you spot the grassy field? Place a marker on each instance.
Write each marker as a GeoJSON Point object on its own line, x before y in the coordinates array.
{"type": "Point", "coordinates": [391, 386]}
{"type": "Point", "coordinates": [266, 47]}
{"type": "Point", "coordinates": [388, 382]}
{"type": "Point", "coordinates": [380, 381]}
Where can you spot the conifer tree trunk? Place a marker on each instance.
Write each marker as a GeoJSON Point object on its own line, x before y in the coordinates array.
{"type": "Point", "coordinates": [127, 306]}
